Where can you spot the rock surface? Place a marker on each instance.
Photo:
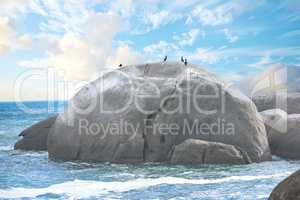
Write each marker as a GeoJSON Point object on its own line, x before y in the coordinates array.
{"type": "Point", "coordinates": [289, 102]}
{"type": "Point", "coordinates": [288, 189]}
{"type": "Point", "coordinates": [193, 151]}
{"type": "Point", "coordinates": [140, 113]}
{"type": "Point", "coordinates": [283, 133]}
{"type": "Point", "coordinates": [277, 87]}
{"type": "Point", "coordinates": [35, 137]}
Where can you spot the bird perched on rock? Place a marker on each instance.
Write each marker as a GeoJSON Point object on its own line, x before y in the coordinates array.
{"type": "Point", "coordinates": [165, 59]}
{"type": "Point", "coordinates": [146, 69]}
{"type": "Point", "coordinates": [185, 62]}
{"type": "Point", "coordinates": [182, 60]}
{"type": "Point", "coordinates": [120, 65]}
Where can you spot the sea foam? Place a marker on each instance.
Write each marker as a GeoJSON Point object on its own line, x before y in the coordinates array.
{"type": "Point", "coordinates": [86, 189]}
{"type": "Point", "coordinates": [6, 148]}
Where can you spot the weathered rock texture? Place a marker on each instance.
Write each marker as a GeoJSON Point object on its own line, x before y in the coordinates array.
{"type": "Point", "coordinates": [289, 102]}
{"type": "Point", "coordinates": [283, 133]}
{"type": "Point", "coordinates": [288, 189]}
{"type": "Point", "coordinates": [35, 137]}
{"type": "Point", "coordinates": [193, 151]}
{"type": "Point", "coordinates": [140, 113]}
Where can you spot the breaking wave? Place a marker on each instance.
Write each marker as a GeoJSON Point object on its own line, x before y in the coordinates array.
{"type": "Point", "coordinates": [86, 189]}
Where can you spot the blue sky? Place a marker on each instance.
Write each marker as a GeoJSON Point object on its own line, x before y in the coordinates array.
{"type": "Point", "coordinates": [81, 38]}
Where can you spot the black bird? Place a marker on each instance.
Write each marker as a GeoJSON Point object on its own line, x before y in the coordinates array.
{"type": "Point", "coordinates": [165, 59]}
{"type": "Point", "coordinates": [185, 62]}
{"type": "Point", "coordinates": [146, 69]}
{"type": "Point", "coordinates": [120, 65]}
{"type": "Point", "coordinates": [182, 60]}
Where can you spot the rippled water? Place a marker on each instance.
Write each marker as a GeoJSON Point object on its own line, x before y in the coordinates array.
{"type": "Point", "coordinates": [31, 175]}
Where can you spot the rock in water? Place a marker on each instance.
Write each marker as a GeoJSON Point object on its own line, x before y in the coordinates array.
{"type": "Point", "coordinates": [283, 133]}
{"type": "Point", "coordinates": [193, 151]}
{"type": "Point", "coordinates": [277, 87]}
{"type": "Point", "coordinates": [288, 189]}
{"type": "Point", "coordinates": [289, 102]}
{"type": "Point", "coordinates": [35, 137]}
{"type": "Point", "coordinates": [133, 115]}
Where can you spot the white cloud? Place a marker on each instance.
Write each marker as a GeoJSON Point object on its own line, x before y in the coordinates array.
{"type": "Point", "coordinates": [123, 7]}
{"type": "Point", "coordinates": [229, 53]}
{"type": "Point", "coordinates": [11, 8]}
{"type": "Point", "coordinates": [34, 63]}
{"type": "Point", "coordinates": [188, 39]}
{"type": "Point", "coordinates": [206, 56]}
{"type": "Point", "coordinates": [24, 41]}
{"type": "Point", "coordinates": [80, 55]}
{"type": "Point", "coordinates": [189, 20]}
{"type": "Point", "coordinates": [61, 17]}
{"type": "Point", "coordinates": [233, 77]}
{"type": "Point", "coordinates": [266, 55]}
{"type": "Point", "coordinates": [231, 38]}
{"type": "Point", "coordinates": [160, 49]}
{"type": "Point", "coordinates": [153, 20]}
{"type": "Point", "coordinates": [100, 30]}
{"type": "Point", "coordinates": [220, 14]}
{"type": "Point", "coordinates": [292, 7]}
{"type": "Point", "coordinates": [128, 43]}
{"type": "Point", "coordinates": [158, 18]}
{"type": "Point", "coordinates": [74, 57]}
{"type": "Point", "coordinates": [264, 61]}
{"type": "Point", "coordinates": [86, 42]}
{"type": "Point", "coordinates": [124, 55]}
{"type": "Point", "coordinates": [7, 33]}
{"type": "Point", "coordinates": [222, 47]}
{"type": "Point", "coordinates": [148, 15]}
{"type": "Point", "coordinates": [9, 40]}
{"type": "Point", "coordinates": [294, 33]}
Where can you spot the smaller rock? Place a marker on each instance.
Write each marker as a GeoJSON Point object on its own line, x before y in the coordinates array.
{"type": "Point", "coordinates": [283, 133]}
{"type": "Point", "coordinates": [288, 189]}
{"type": "Point", "coordinates": [275, 119]}
{"type": "Point", "coordinates": [35, 137]}
{"type": "Point", "coordinates": [194, 151]}
{"type": "Point", "coordinates": [288, 102]}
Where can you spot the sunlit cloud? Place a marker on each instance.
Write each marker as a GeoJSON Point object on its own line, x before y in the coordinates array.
{"type": "Point", "coordinates": [84, 37]}
{"type": "Point", "coordinates": [9, 39]}
{"type": "Point", "coordinates": [188, 39]}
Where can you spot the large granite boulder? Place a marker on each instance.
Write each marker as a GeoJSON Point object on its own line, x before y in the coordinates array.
{"type": "Point", "coordinates": [288, 189]}
{"type": "Point", "coordinates": [193, 151]}
{"type": "Point", "coordinates": [35, 137]}
{"type": "Point", "coordinates": [140, 113]}
{"type": "Point", "coordinates": [283, 133]}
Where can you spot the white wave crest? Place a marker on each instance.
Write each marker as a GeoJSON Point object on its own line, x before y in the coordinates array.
{"type": "Point", "coordinates": [6, 148]}
{"type": "Point", "coordinates": [86, 189]}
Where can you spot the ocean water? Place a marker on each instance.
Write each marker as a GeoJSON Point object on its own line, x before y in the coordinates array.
{"type": "Point", "coordinates": [31, 175]}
